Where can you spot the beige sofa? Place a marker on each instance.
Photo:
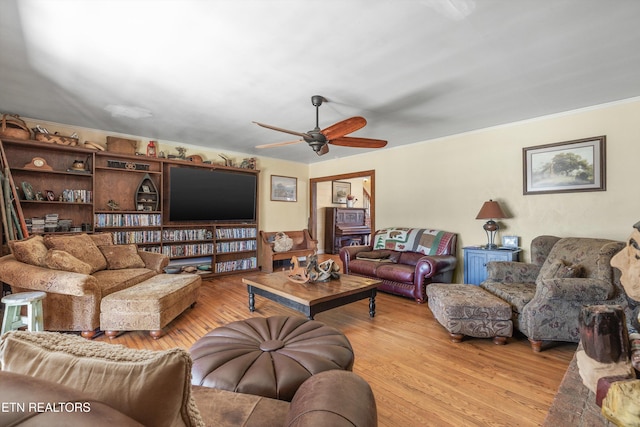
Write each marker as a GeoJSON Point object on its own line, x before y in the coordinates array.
{"type": "Point", "coordinates": [60, 379]}
{"type": "Point", "coordinates": [76, 271]}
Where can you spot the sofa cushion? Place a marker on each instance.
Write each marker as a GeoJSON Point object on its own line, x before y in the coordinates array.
{"type": "Point", "coordinates": [31, 250]}
{"type": "Point", "coordinates": [61, 260]}
{"type": "Point", "coordinates": [223, 408]}
{"type": "Point", "coordinates": [422, 240]}
{"type": "Point", "coordinates": [516, 294]}
{"type": "Point", "coordinates": [152, 387]}
{"type": "Point", "coordinates": [110, 281]}
{"type": "Point", "coordinates": [102, 238]}
{"type": "Point", "coordinates": [379, 255]}
{"type": "Point", "coordinates": [80, 246]}
{"type": "Point", "coordinates": [121, 256]}
{"type": "Point", "coordinates": [396, 272]}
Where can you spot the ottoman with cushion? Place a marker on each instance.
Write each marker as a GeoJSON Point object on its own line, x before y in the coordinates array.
{"type": "Point", "coordinates": [150, 305]}
{"type": "Point", "coordinates": [268, 357]}
{"type": "Point", "coordinates": [470, 310]}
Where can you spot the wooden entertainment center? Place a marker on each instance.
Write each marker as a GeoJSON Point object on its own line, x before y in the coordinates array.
{"type": "Point", "coordinates": [128, 196]}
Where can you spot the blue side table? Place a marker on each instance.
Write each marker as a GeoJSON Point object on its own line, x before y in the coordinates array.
{"type": "Point", "coordinates": [477, 257]}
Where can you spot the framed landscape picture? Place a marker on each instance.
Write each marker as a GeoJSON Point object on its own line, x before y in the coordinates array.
{"type": "Point", "coordinates": [565, 167]}
{"type": "Point", "coordinates": [340, 190]}
{"type": "Point", "coordinates": [284, 188]}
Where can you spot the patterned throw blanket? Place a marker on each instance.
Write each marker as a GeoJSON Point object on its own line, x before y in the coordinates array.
{"type": "Point", "coordinates": [422, 240]}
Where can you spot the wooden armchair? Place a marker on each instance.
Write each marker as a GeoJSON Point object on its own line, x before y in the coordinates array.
{"type": "Point", "coordinates": [303, 245]}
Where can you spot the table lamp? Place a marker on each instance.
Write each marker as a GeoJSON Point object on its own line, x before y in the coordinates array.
{"type": "Point", "coordinates": [491, 210]}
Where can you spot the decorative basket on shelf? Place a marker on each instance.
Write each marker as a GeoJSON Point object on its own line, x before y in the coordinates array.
{"type": "Point", "coordinates": [54, 138]}
{"type": "Point", "coordinates": [14, 127]}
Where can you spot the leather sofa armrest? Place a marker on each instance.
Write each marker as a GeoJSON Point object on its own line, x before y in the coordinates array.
{"type": "Point", "coordinates": [512, 272]}
{"type": "Point", "coordinates": [347, 253]}
{"type": "Point", "coordinates": [431, 265]}
{"type": "Point", "coordinates": [575, 289]}
{"type": "Point", "coordinates": [34, 278]}
{"type": "Point", "coordinates": [333, 398]}
{"type": "Point", "coordinates": [154, 261]}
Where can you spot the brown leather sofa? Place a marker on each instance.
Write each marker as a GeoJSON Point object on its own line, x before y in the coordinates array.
{"type": "Point", "coordinates": [49, 378]}
{"type": "Point", "coordinates": [405, 259]}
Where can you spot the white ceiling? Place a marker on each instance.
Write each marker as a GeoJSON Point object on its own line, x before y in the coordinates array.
{"type": "Point", "coordinates": [199, 72]}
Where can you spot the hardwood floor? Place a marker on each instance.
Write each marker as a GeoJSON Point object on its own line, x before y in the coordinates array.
{"type": "Point", "coordinates": [418, 376]}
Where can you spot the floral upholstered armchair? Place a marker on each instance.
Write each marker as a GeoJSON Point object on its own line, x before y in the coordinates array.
{"type": "Point", "coordinates": [547, 294]}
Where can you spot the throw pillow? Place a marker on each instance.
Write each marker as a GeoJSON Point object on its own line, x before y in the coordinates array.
{"type": "Point", "coordinates": [282, 242]}
{"type": "Point", "coordinates": [379, 256]}
{"type": "Point", "coordinates": [152, 387]}
{"type": "Point", "coordinates": [80, 246]}
{"type": "Point", "coordinates": [31, 250]}
{"type": "Point", "coordinates": [121, 256]}
{"type": "Point", "coordinates": [61, 260]}
{"type": "Point", "coordinates": [102, 238]}
{"type": "Point", "coordinates": [560, 270]}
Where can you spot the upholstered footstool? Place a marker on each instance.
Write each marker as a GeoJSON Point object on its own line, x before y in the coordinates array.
{"type": "Point", "coordinates": [268, 357]}
{"type": "Point", "coordinates": [470, 310]}
{"type": "Point", "coordinates": [149, 305]}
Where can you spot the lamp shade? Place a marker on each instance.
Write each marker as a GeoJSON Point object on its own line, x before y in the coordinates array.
{"type": "Point", "coordinates": [491, 210]}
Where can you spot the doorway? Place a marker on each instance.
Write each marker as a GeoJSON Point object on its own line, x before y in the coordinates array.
{"type": "Point", "coordinates": [313, 198]}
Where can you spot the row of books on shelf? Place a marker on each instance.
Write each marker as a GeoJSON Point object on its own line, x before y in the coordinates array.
{"type": "Point", "coordinates": [239, 264]}
{"type": "Point", "coordinates": [186, 234]}
{"type": "Point", "coordinates": [138, 236]}
{"type": "Point", "coordinates": [188, 250]}
{"type": "Point", "coordinates": [236, 233]}
{"type": "Point", "coordinates": [243, 245]}
{"type": "Point", "coordinates": [127, 220]}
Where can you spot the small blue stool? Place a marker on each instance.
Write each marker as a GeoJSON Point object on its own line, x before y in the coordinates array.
{"type": "Point", "coordinates": [12, 317]}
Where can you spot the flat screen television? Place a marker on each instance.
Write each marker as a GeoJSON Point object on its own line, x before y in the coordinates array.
{"type": "Point", "coordinates": [199, 194]}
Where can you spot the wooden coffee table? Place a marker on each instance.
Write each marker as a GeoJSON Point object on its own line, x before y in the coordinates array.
{"type": "Point", "coordinates": [311, 298]}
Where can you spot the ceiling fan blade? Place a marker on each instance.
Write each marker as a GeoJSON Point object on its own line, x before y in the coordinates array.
{"type": "Point", "coordinates": [292, 132]}
{"type": "Point", "coordinates": [324, 150]}
{"type": "Point", "coordinates": [344, 127]}
{"type": "Point", "coordinates": [279, 144]}
{"type": "Point", "coordinates": [349, 141]}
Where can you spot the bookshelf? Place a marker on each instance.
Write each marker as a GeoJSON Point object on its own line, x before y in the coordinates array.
{"type": "Point", "coordinates": [124, 195]}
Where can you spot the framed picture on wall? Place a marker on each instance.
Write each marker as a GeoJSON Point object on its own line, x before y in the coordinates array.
{"type": "Point", "coordinates": [565, 167]}
{"type": "Point", "coordinates": [284, 188]}
{"type": "Point", "coordinates": [340, 190]}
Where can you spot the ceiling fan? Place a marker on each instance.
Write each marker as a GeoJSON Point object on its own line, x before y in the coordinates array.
{"type": "Point", "coordinates": [319, 140]}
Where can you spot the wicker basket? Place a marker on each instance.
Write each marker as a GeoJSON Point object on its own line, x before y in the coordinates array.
{"type": "Point", "coordinates": [14, 127]}
{"type": "Point", "coordinates": [121, 145]}
{"type": "Point", "coordinates": [56, 139]}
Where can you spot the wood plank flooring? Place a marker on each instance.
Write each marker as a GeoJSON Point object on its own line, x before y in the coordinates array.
{"type": "Point", "coordinates": [418, 376]}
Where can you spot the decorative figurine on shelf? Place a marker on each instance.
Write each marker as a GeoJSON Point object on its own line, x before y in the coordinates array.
{"type": "Point", "coordinates": [151, 149]}
{"type": "Point", "coordinates": [113, 205]}
{"type": "Point", "coordinates": [182, 152]}
{"type": "Point", "coordinates": [249, 163]}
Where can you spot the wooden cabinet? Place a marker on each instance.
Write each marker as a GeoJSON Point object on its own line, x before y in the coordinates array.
{"type": "Point", "coordinates": [476, 259]}
{"type": "Point", "coordinates": [49, 187]}
{"type": "Point", "coordinates": [123, 195]}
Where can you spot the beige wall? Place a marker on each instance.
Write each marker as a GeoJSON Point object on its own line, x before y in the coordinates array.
{"type": "Point", "coordinates": [442, 183]}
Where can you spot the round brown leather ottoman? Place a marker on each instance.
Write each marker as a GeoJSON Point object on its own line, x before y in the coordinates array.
{"type": "Point", "coordinates": [268, 357]}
